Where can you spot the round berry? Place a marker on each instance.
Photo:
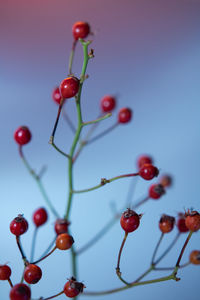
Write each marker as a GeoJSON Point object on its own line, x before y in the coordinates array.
{"type": "Point", "coordinates": [124, 115]}
{"type": "Point", "coordinates": [130, 220]}
{"type": "Point", "coordinates": [148, 171]}
{"type": "Point", "coordinates": [72, 288]}
{"type": "Point", "coordinates": [56, 95]}
{"type": "Point", "coordinates": [144, 159]}
{"type": "Point", "coordinates": [64, 241]}
{"type": "Point", "coordinates": [192, 220]}
{"type": "Point", "coordinates": [40, 216]}
{"type": "Point", "coordinates": [107, 103]}
{"type": "Point", "coordinates": [22, 135]}
{"type": "Point", "coordinates": [19, 225]}
{"type": "Point", "coordinates": [156, 191]}
{"type": "Point", "coordinates": [195, 257]}
{"type": "Point", "coordinates": [32, 274]}
{"type": "Point", "coordinates": [181, 223]}
{"type": "Point", "coordinates": [166, 180]}
{"type": "Point", "coordinates": [5, 272]}
{"type": "Point", "coordinates": [20, 291]}
{"type": "Point", "coordinates": [80, 30]}
{"type": "Point", "coordinates": [166, 223]}
{"type": "Point", "coordinates": [69, 87]}
{"type": "Point", "coordinates": [61, 226]}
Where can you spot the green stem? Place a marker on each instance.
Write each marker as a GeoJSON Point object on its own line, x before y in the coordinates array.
{"type": "Point", "coordinates": [54, 296]}
{"type": "Point", "coordinates": [98, 120]}
{"type": "Point", "coordinates": [72, 56]}
{"type": "Point", "coordinates": [145, 273]}
{"type": "Point", "coordinates": [156, 249]}
{"type": "Point", "coordinates": [119, 258]}
{"type": "Point", "coordinates": [21, 250]}
{"type": "Point", "coordinates": [48, 248]}
{"type": "Point", "coordinates": [39, 260]}
{"type": "Point", "coordinates": [33, 243]}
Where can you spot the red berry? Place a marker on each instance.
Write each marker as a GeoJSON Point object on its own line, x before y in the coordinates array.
{"type": "Point", "coordinates": [5, 272]}
{"type": "Point", "coordinates": [130, 220]}
{"type": "Point", "coordinates": [80, 30]}
{"type": "Point", "coordinates": [69, 87]}
{"type": "Point", "coordinates": [19, 225]}
{"type": "Point", "coordinates": [64, 241]}
{"type": "Point", "coordinates": [195, 257]}
{"type": "Point", "coordinates": [156, 191]}
{"type": "Point", "coordinates": [181, 223]}
{"type": "Point", "coordinates": [192, 220]}
{"type": "Point", "coordinates": [148, 171]}
{"type": "Point", "coordinates": [72, 288]}
{"type": "Point", "coordinates": [56, 95]}
{"type": "Point", "coordinates": [61, 226]}
{"type": "Point", "coordinates": [32, 274]}
{"type": "Point", "coordinates": [108, 103]}
{"type": "Point", "coordinates": [22, 135]}
{"type": "Point", "coordinates": [166, 180]}
{"type": "Point", "coordinates": [144, 159]}
{"type": "Point", "coordinates": [40, 216]}
{"type": "Point", "coordinates": [124, 115]}
{"type": "Point", "coordinates": [20, 291]}
{"type": "Point", "coordinates": [166, 223]}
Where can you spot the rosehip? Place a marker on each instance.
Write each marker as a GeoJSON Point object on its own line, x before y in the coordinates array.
{"type": "Point", "coordinates": [32, 274]}
{"type": "Point", "coordinates": [40, 216]}
{"type": "Point", "coordinates": [80, 30]}
{"type": "Point", "coordinates": [144, 159]}
{"type": "Point", "coordinates": [19, 225]}
{"type": "Point", "coordinates": [195, 257]}
{"type": "Point", "coordinates": [20, 291]}
{"type": "Point", "coordinates": [69, 87]}
{"type": "Point", "coordinates": [56, 95]}
{"type": "Point", "coordinates": [130, 220]}
{"type": "Point", "coordinates": [166, 223]}
{"type": "Point", "coordinates": [72, 288]}
{"type": "Point", "coordinates": [61, 226]}
{"type": "Point", "coordinates": [124, 115]}
{"type": "Point", "coordinates": [5, 272]}
{"type": "Point", "coordinates": [166, 180]}
{"type": "Point", "coordinates": [64, 241]}
{"type": "Point", "coordinates": [148, 171]}
{"type": "Point", "coordinates": [108, 103]}
{"type": "Point", "coordinates": [181, 223]}
{"type": "Point", "coordinates": [192, 220]}
{"type": "Point", "coordinates": [22, 135]}
{"type": "Point", "coordinates": [156, 191]}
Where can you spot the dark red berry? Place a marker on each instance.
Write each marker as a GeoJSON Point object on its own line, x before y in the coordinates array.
{"type": "Point", "coordinates": [166, 180]}
{"type": "Point", "coordinates": [130, 220]}
{"type": "Point", "coordinates": [19, 225]}
{"type": "Point", "coordinates": [148, 171]}
{"type": "Point", "coordinates": [61, 226]}
{"type": "Point", "coordinates": [56, 95]}
{"type": "Point", "coordinates": [40, 216]}
{"type": "Point", "coordinates": [72, 288]}
{"type": "Point", "coordinates": [5, 272]}
{"type": "Point", "coordinates": [80, 30]}
{"type": "Point", "coordinates": [69, 87]}
{"type": "Point", "coordinates": [108, 103]}
{"type": "Point", "coordinates": [32, 274]}
{"type": "Point", "coordinates": [20, 291]}
{"type": "Point", "coordinates": [124, 115]}
{"type": "Point", "coordinates": [144, 159]}
{"type": "Point", "coordinates": [166, 223]}
{"type": "Point", "coordinates": [156, 191]}
{"type": "Point", "coordinates": [64, 241]}
{"type": "Point", "coordinates": [22, 135]}
{"type": "Point", "coordinates": [181, 223]}
{"type": "Point", "coordinates": [192, 220]}
{"type": "Point", "coordinates": [195, 257]}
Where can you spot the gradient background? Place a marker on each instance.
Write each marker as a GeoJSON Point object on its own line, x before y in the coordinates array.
{"type": "Point", "coordinates": [147, 53]}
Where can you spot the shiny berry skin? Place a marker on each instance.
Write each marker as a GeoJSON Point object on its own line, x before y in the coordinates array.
{"type": "Point", "coordinates": [5, 272]}
{"type": "Point", "coordinates": [40, 216]}
{"type": "Point", "coordinates": [19, 225]}
{"type": "Point", "coordinates": [130, 220]}
{"type": "Point", "coordinates": [64, 241]}
{"type": "Point", "coordinates": [195, 257]}
{"type": "Point", "coordinates": [56, 95]}
{"type": "Point", "coordinates": [144, 159]}
{"type": "Point", "coordinates": [124, 115]}
{"type": "Point", "coordinates": [192, 220]}
{"type": "Point", "coordinates": [148, 171]}
{"type": "Point", "coordinates": [72, 288]}
{"type": "Point", "coordinates": [166, 180]}
{"type": "Point", "coordinates": [182, 228]}
{"type": "Point", "coordinates": [61, 226]}
{"type": "Point", "coordinates": [80, 30]}
{"type": "Point", "coordinates": [20, 291]}
{"type": "Point", "coordinates": [156, 191]}
{"type": "Point", "coordinates": [107, 103]}
{"type": "Point", "coordinates": [22, 135]}
{"type": "Point", "coordinates": [166, 223]}
{"type": "Point", "coordinates": [69, 87]}
{"type": "Point", "coordinates": [32, 274]}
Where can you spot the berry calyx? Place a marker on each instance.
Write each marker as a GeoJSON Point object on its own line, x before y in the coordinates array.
{"type": "Point", "coordinates": [19, 225]}
{"type": "Point", "coordinates": [5, 272]}
{"type": "Point", "coordinates": [64, 241]}
{"type": "Point", "coordinates": [144, 159]}
{"type": "Point", "coordinates": [195, 257]}
{"type": "Point", "coordinates": [182, 228]}
{"type": "Point", "coordinates": [22, 135]}
{"type": "Point", "coordinates": [32, 274]}
{"type": "Point", "coordinates": [69, 87]}
{"type": "Point", "coordinates": [20, 291]}
{"type": "Point", "coordinates": [56, 95]}
{"type": "Point", "coordinates": [166, 180]}
{"type": "Point", "coordinates": [130, 220]}
{"type": "Point", "coordinates": [80, 30]}
{"type": "Point", "coordinates": [40, 216]}
{"type": "Point", "coordinates": [192, 220]}
{"type": "Point", "coordinates": [156, 191]}
{"type": "Point", "coordinates": [61, 226]}
{"type": "Point", "coordinates": [107, 103]}
{"type": "Point", "coordinates": [166, 223]}
{"type": "Point", "coordinates": [124, 115]}
{"type": "Point", "coordinates": [73, 288]}
{"type": "Point", "coordinates": [148, 171]}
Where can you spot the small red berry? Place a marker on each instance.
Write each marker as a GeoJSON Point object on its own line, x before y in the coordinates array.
{"type": "Point", "coordinates": [130, 220]}
{"type": "Point", "coordinates": [56, 95]}
{"type": "Point", "coordinates": [195, 257]}
{"type": "Point", "coordinates": [192, 220]}
{"type": "Point", "coordinates": [72, 288]}
{"type": "Point", "coordinates": [20, 291]}
{"type": "Point", "coordinates": [181, 223]}
{"type": "Point", "coordinates": [64, 241]}
{"type": "Point", "coordinates": [124, 115]}
{"type": "Point", "coordinates": [148, 171]}
{"type": "Point", "coordinates": [32, 274]}
{"type": "Point", "coordinates": [107, 103]}
{"type": "Point", "coordinates": [22, 135]}
{"type": "Point", "coordinates": [80, 30]}
{"type": "Point", "coordinates": [19, 225]}
{"type": "Point", "coordinates": [40, 216]}
{"type": "Point", "coordinates": [69, 87]}
{"type": "Point", "coordinates": [166, 223]}
{"type": "Point", "coordinates": [144, 159]}
{"type": "Point", "coordinates": [156, 191]}
{"type": "Point", "coordinates": [5, 272]}
{"type": "Point", "coordinates": [61, 226]}
{"type": "Point", "coordinates": [166, 180]}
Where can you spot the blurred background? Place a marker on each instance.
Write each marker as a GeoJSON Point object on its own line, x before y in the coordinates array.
{"type": "Point", "coordinates": [147, 54]}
